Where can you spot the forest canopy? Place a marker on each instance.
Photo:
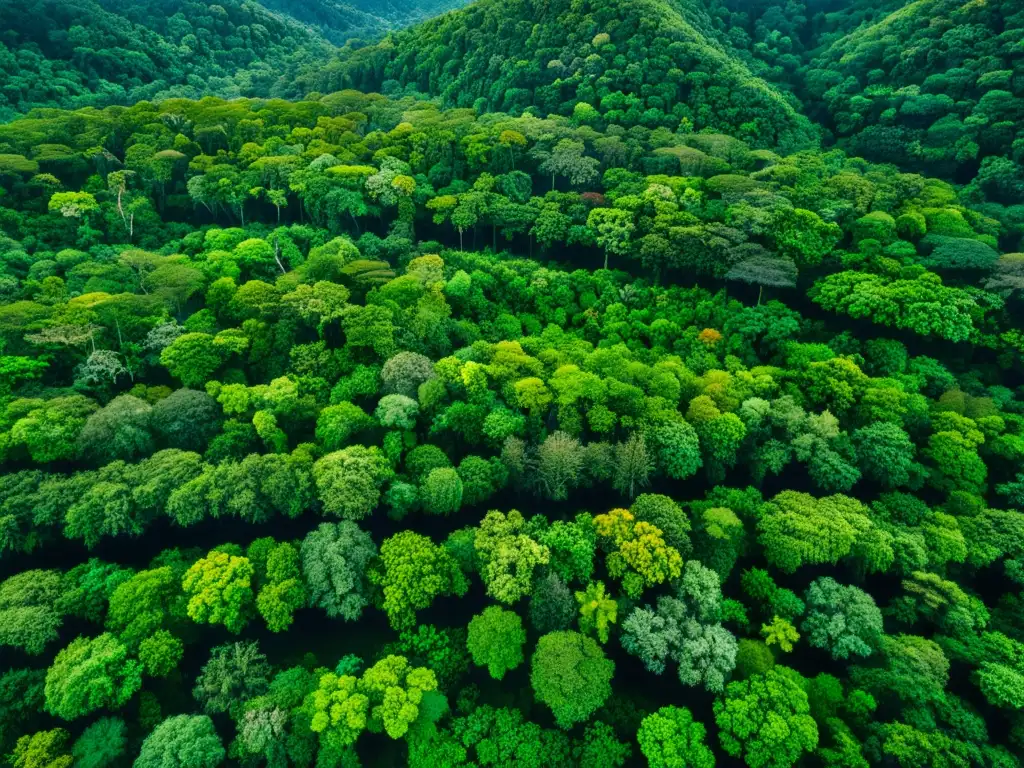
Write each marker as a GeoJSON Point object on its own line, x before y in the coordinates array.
{"type": "Point", "coordinates": [545, 384]}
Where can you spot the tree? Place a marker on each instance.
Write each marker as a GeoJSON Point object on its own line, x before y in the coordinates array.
{"type": "Point", "coordinates": [335, 562]}
{"type": "Point", "coordinates": [843, 620]}
{"type": "Point", "coordinates": [633, 465]}
{"type": "Point", "coordinates": [101, 744]}
{"type": "Point", "coordinates": [283, 592]}
{"type": "Point", "coordinates": [349, 481]}
{"type": "Point", "coordinates": [886, 454]}
{"type": "Point", "coordinates": [797, 529]}
{"type": "Point", "coordinates": [42, 749]}
{"type": "Point", "coordinates": [186, 419]}
{"type": "Point", "coordinates": [29, 618]}
{"type": "Point", "coordinates": [160, 653]}
{"type": "Point", "coordinates": [391, 696]}
{"type": "Point", "coordinates": [912, 669]}
{"type": "Point", "coordinates": [234, 674]}
{"type": "Point", "coordinates": [601, 748]}
{"type": "Point", "coordinates": [219, 590]}
{"type": "Point", "coordinates": [781, 633]}
{"type": "Point", "coordinates": [766, 720]}
{"type": "Point", "coordinates": [413, 571]}
{"type": "Point", "coordinates": [614, 228]}
{"type": "Point", "coordinates": [495, 640]}
{"type": "Point", "coordinates": [50, 431]}
{"type": "Point", "coordinates": [119, 430]}
{"type": "Point", "coordinates": [765, 270]}
{"type": "Point", "coordinates": [597, 611]}
{"type": "Point", "coordinates": [559, 458]}
{"type": "Point", "coordinates": [570, 674]}
{"type": "Point", "coordinates": [508, 556]}
{"type": "Point", "coordinates": [148, 601]}
{"type": "Point", "coordinates": [552, 606]}
{"type": "Point", "coordinates": [676, 448]}
{"type": "Point", "coordinates": [403, 373]}
{"type": "Point", "coordinates": [337, 424]}
{"type": "Point", "coordinates": [75, 205]}
{"type": "Point", "coordinates": [90, 674]}
{"type": "Point", "coordinates": [441, 491]}
{"type": "Point", "coordinates": [182, 741]}
{"type": "Point", "coordinates": [671, 738]}
{"type": "Point", "coordinates": [192, 358]}
{"type": "Point", "coordinates": [958, 253]}
{"type": "Point", "coordinates": [567, 159]}
{"type": "Point", "coordinates": [638, 553]}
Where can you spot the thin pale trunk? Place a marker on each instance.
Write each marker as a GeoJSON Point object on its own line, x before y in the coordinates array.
{"type": "Point", "coordinates": [606, 258]}
{"type": "Point", "coordinates": [120, 210]}
{"type": "Point", "coordinates": [277, 256]}
{"type": "Point", "coordinates": [760, 290]}
{"type": "Point", "coordinates": [355, 221]}
{"type": "Point", "coordinates": [460, 239]}
{"type": "Point", "coordinates": [131, 226]}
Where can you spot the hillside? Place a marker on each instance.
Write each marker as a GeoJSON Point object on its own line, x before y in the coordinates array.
{"type": "Point", "coordinates": [340, 21]}
{"type": "Point", "coordinates": [652, 63]}
{"type": "Point", "coordinates": [76, 53]}
{"type": "Point", "coordinates": [777, 40]}
{"type": "Point", "coordinates": [936, 85]}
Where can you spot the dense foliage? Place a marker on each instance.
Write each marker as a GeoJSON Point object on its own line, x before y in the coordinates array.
{"type": "Point", "coordinates": [628, 425]}
{"type": "Point", "coordinates": [77, 53]}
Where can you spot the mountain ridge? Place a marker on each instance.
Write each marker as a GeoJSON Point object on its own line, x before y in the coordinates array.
{"type": "Point", "coordinates": [577, 52]}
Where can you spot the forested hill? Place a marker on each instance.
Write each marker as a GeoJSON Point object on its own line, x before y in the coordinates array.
{"type": "Point", "coordinates": [651, 63]}
{"type": "Point", "coordinates": [341, 21]}
{"type": "Point", "coordinates": [932, 85]}
{"type": "Point", "coordinates": [79, 53]}
{"type": "Point", "coordinates": [938, 83]}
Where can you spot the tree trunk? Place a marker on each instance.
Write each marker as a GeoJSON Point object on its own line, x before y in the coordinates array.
{"type": "Point", "coordinates": [760, 290]}
{"type": "Point", "coordinates": [606, 258]}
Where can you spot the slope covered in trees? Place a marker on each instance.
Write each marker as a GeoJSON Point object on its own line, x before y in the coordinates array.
{"type": "Point", "coordinates": [77, 53]}
{"type": "Point", "coordinates": [651, 63]}
{"type": "Point", "coordinates": [938, 84]}
{"type": "Point", "coordinates": [931, 85]}
{"type": "Point", "coordinates": [340, 21]}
